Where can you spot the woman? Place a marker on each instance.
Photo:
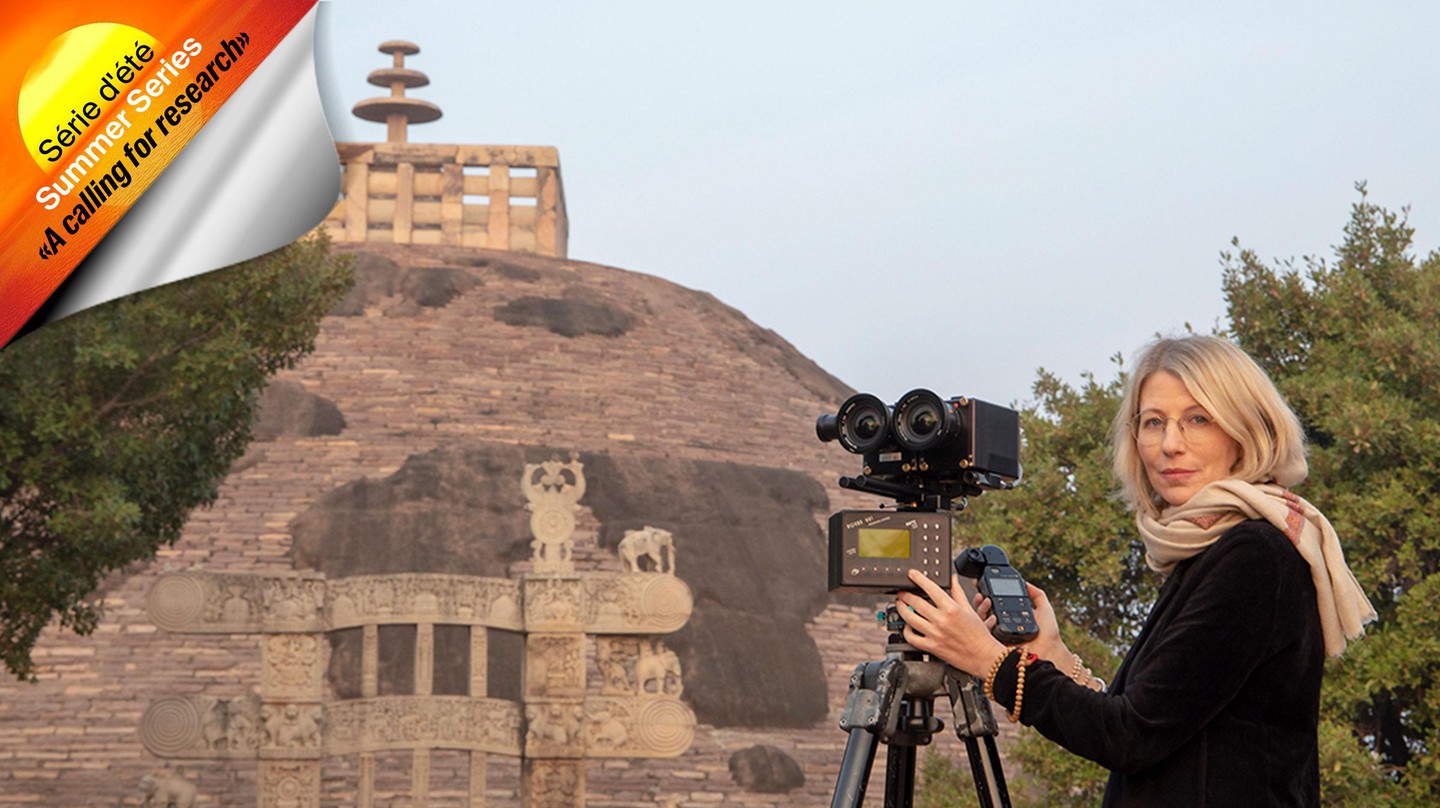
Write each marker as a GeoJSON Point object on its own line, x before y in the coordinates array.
{"type": "Point", "coordinates": [1217, 703]}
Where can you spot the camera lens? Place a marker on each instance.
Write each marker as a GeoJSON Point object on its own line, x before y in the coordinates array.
{"type": "Point", "coordinates": [861, 426]}
{"type": "Point", "coordinates": [924, 421]}
{"type": "Point", "coordinates": [827, 428]}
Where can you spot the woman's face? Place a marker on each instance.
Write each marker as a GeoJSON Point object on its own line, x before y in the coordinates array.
{"type": "Point", "coordinates": [1182, 447]}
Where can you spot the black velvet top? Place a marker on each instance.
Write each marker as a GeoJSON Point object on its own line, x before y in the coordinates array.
{"type": "Point", "coordinates": [1218, 702]}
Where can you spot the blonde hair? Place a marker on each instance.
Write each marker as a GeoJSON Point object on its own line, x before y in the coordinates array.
{"type": "Point", "coordinates": [1238, 395]}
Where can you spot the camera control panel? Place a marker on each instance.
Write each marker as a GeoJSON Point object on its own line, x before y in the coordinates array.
{"type": "Point", "coordinates": [874, 550]}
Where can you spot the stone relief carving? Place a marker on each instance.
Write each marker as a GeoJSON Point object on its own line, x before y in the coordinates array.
{"type": "Point", "coordinates": [555, 785]}
{"type": "Point", "coordinates": [637, 603]}
{"type": "Point", "coordinates": [605, 731]}
{"type": "Point", "coordinates": [638, 712]}
{"type": "Point", "coordinates": [553, 604]}
{"type": "Point", "coordinates": [162, 790]}
{"type": "Point", "coordinates": [554, 730]}
{"type": "Point", "coordinates": [201, 727]}
{"type": "Point", "coordinates": [291, 728]}
{"type": "Point", "coordinates": [627, 726]}
{"type": "Point", "coordinates": [648, 542]}
{"type": "Point", "coordinates": [414, 722]}
{"type": "Point", "coordinates": [293, 601]}
{"type": "Point", "coordinates": [657, 671]}
{"type": "Point", "coordinates": [553, 488]}
{"type": "Point", "coordinates": [555, 666]}
{"type": "Point", "coordinates": [412, 598]}
{"type": "Point", "coordinates": [293, 666]}
{"type": "Point", "coordinates": [289, 784]}
{"type": "Point", "coordinates": [241, 731]}
{"type": "Point", "coordinates": [611, 657]}
{"type": "Point", "coordinates": [233, 603]}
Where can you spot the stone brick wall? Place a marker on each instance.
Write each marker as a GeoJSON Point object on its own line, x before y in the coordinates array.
{"type": "Point", "coordinates": [648, 368]}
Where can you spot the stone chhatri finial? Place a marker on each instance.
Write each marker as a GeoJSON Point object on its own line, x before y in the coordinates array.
{"type": "Point", "coordinates": [397, 111]}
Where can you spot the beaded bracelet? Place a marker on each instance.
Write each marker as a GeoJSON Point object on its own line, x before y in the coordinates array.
{"type": "Point", "coordinates": [994, 669]}
{"type": "Point", "coordinates": [1083, 676]}
{"type": "Point", "coordinates": [1020, 667]}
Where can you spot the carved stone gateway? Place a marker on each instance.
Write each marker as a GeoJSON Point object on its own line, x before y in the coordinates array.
{"type": "Point", "coordinates": [291, 725]}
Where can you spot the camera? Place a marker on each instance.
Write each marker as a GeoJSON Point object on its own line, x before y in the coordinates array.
{"type": "Point", "coordinates": [928, 454]}
{"type": "Point", "coordinates": [946, 447]}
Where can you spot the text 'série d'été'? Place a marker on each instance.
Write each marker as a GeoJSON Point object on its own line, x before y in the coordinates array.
{"type": "Point", "coordinates": [139, 100]}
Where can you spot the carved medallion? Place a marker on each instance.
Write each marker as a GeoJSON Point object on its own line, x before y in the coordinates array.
{"type": "Point", "coordinates": [176, 602]}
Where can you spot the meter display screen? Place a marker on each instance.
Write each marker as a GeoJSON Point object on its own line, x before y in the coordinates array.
{"type": "Point", "coordinates": [874, 542]}
{"type": "Point", "coordinates": [1006, 587]}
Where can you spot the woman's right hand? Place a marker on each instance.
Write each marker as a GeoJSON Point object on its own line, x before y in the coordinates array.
{"type": "Point", "coordinates": [1047, 644]}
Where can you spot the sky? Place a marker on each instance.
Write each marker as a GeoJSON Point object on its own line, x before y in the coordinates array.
{"type": "Point", "coordinates": [949, 195]}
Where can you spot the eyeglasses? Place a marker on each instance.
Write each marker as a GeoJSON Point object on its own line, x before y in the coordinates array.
{"type": "Point", "coordinates": [1195, 428]}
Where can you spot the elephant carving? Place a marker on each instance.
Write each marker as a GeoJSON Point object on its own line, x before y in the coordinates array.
{"type": "Point", "coordinates": [166, 791]}
{"type": "Point", "coordinates": [648, 542]}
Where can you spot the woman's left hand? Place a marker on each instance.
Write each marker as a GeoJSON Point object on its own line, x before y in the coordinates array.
{"type": "Point", "coordinates": [946, 626]}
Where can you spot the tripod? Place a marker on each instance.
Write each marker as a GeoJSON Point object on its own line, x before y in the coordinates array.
{"type": "Point", "coordinates": [893, 701]}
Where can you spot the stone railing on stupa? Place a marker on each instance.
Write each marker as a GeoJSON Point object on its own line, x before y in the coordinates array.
{"type": "Point", "coordinates": [500, 197]}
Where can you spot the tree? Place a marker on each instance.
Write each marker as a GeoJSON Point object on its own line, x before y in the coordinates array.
{"type": "Point", "coordinates": [118, 421]}
{"type": "Point", "coordinates": [1065, 531]}
{"type": "Point", "coordinates": [1351, 344]}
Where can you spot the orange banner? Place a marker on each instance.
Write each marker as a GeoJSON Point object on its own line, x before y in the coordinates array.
{"type": "Point", "coordinates": [102, 105]}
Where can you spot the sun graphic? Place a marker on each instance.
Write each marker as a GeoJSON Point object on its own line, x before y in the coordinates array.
{"type": "Point", "coordinates": [61, 100]}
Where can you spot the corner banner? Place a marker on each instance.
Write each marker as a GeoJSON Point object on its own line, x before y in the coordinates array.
{"type": "Point", "coordinates": [104, 98]}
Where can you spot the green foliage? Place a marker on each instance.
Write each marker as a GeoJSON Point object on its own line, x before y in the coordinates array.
{"type": "Point", "coordinates": [942, 782]}
{"type": "Point", "coordinates": [1065, 529]}
{"type": "Point", "coordinates": [1351, 342]}
{"type": "Point", "coordinates": [117, 422]}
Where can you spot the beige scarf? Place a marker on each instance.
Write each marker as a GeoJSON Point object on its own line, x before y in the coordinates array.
{"type": "Point", "coordinates": [1188, 529]}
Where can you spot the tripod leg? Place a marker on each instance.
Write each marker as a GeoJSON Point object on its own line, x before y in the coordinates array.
{"type": "Point", "coordinates": [899, 776]}
{"type": "Point", "coordinates": [974, 721]}
{"type": "Point", "coordinates": [996, 772]}
{"type": "Point", "coordinates": [980, 772]}
{"type": "Point", "coordinates": [855, 769]}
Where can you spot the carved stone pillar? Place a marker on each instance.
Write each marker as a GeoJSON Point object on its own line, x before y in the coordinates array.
{"type": "Point", "coordinates": [424, 659]}
{"type": "Point", "coordinates": [365, 791]}
{"type": "Point", "coordinates": [369, 688]}
{"type": "Point", "coordinates": [554, 671]}
{"type": "Point", "coordinates": [420, 778]}
{"type": "Point", "coordinates": [479, 687]}
{"type": "Point", "coordinates": [479, 779]}
{"type": "Point", "coordinates": [291, 691]}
